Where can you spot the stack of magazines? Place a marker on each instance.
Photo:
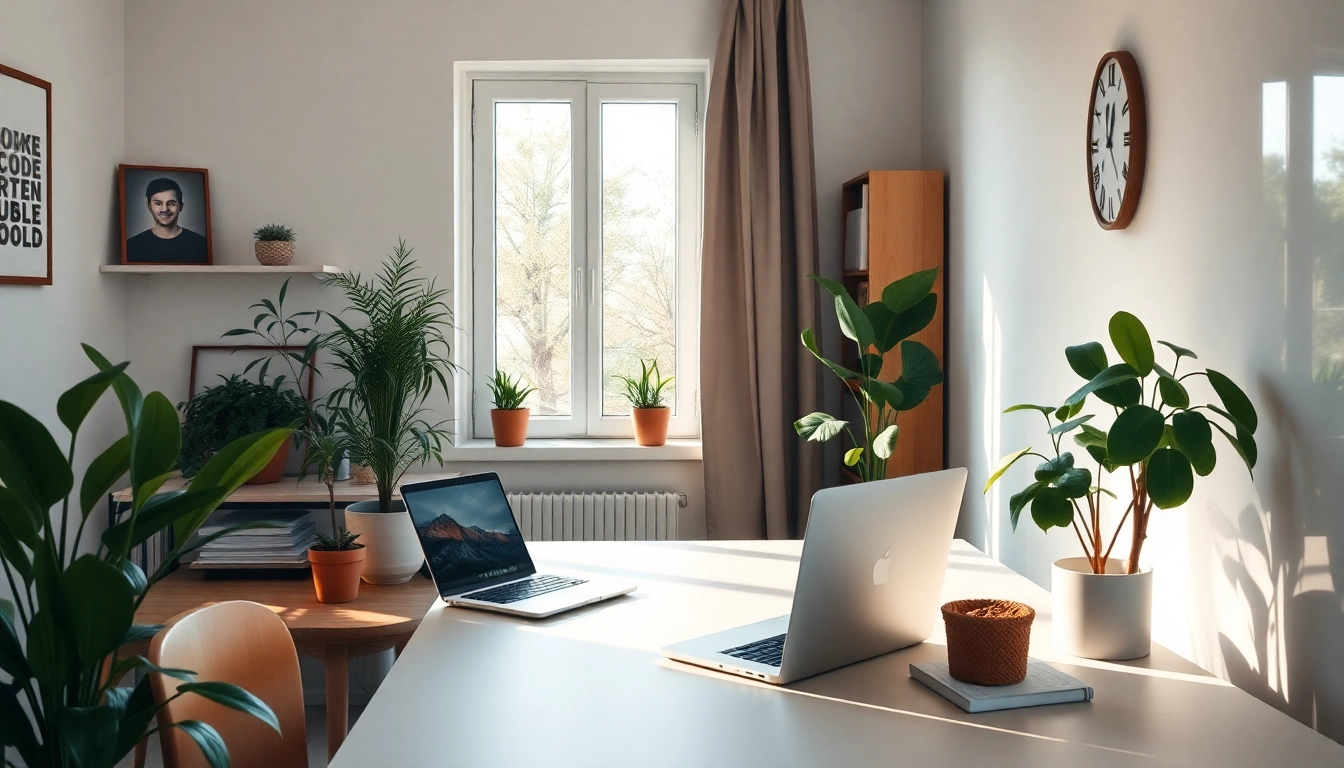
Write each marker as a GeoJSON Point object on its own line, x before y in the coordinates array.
{"type": "Point", "coordinates": [283, 544]}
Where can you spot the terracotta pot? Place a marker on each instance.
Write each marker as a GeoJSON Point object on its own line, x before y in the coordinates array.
{"type": "Point", "coordinates": [274, 253]}
{"type": "Point", "coordinates": [393, 550]}
{"type": "Point", "coordinates": [275, 469]}
{"type": "Point", "coordinates": [651, 425]}
{"type": "Point", "coordinates": [336, 573]}
{"type": "Point", "coordinates": [988, 640]}
{"type": "Point", "coordinates": [510, 426]}
{"type": "Point", "coordinates": [1106, 616]}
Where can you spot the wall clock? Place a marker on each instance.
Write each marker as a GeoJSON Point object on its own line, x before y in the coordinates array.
{"type": "Point", "coordinates": [1117, 140]}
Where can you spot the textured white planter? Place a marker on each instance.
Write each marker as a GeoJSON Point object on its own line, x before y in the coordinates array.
{"type": "Point", "coordinates": [1101, 616]}
{"type": "Point", "coordinates": [393, 551]}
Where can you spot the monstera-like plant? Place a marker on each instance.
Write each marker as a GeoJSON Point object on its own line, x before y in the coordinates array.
{"type": "Point", "coordinates": [907, 306]}
{"type": "Point", "coordinates": [1159, 441]}
{"type": "Point", "coordinates": [61, 707]}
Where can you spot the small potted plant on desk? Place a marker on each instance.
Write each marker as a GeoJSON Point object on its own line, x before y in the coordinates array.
{"type": "Point", "coordinates": [509, 416]}
{"type": "Point", "coordinates": [337, 559]}
{"type": "Point", "coordinates": [650, 413]}
{"type": "Point", "coordinates": [238, 407]}
{"type": "Point", "coordinates": [1157, 444]}
{"type": "Point", "coordinates": [275, 245]}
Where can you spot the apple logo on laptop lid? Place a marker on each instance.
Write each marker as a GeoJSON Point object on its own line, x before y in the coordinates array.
{"type": "Point", "coordinates": [882, 568]}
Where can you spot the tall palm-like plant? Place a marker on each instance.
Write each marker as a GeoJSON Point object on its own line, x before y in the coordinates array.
{"type": "Point", "coordinates": [394, 359]}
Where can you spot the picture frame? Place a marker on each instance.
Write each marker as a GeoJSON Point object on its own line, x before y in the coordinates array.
{"type": "Point", "coordinates": [165, 215]}
{"type": "Point", "coordinates": [198, 349]}
{"type": "Point", "coordinates": [25, 179]}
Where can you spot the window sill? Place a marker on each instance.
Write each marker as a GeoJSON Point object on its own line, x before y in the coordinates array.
{"type": "Point", "coordinates": [574, 449]}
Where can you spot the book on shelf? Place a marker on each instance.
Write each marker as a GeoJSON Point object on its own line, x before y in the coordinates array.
{"type": "Point", "coordinates": [283, 543]}
{"type": "Point", "coordinates": [856, 236]}
{"type": "Point", "coordinates": [1043, 685]}
{"type": "Point", "coordinates": [861, 294]}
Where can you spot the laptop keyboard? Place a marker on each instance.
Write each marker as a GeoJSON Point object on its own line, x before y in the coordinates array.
{"type": "Point", "coordinates": [769, 651]}
{"type": "Point", "coordinates": [522, 590]}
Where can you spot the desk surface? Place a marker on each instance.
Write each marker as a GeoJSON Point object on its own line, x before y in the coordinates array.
{"type": "Point", "coordinates": [292, 490]}
{"type": "Point", "coordinates": [589, 689]}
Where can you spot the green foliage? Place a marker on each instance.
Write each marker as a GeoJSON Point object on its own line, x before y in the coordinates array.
{"type": "Point", "coordinates": [76, 610]}
{"type": "Point", "coordinates": [508, 392]}
{"type": "Point", "coordinates": [327, 446]}
{"type": "Point", "coordinates": [276, 233]}
{"type": "Point", "coordinates": [394, 360]}
{"type": "Point", "coordinates": [647, 390]}
{"type": "Point", "coordinates": [907, 306]}
{"type": "Point", "coordinates": [1160, 446]}
{"type": "Point", "coordinates": [226, 412]}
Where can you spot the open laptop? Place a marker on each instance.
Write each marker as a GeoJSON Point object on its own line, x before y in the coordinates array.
{"type": "Point", "coordinates": [869, 582]}
{"type": "Point", "coordinates": [477, 556]}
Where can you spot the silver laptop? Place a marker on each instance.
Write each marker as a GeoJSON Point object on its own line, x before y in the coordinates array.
{"type": "Point", "coordinates": [477, 556]}
{"type": "Point", "coordinates": [869, 582]}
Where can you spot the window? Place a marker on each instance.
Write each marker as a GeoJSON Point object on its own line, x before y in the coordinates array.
{"type": "Point", "coordinates": [585, 233]}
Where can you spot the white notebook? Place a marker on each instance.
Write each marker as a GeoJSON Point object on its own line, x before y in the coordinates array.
{"type": "Point", "coordinates": [1043, 685]}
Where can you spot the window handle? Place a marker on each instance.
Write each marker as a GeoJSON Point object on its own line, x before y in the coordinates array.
{"type": "Point", "coordinates": [578, 289]}
{"type": "Point", "coordinates": [592, 287]}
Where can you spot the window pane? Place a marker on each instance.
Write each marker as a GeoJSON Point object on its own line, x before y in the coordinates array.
{"type": "Point", "coordinates": [639, 241]}
{"type": "Point", "coordinates": [532, 250]}
{"type": "Point", "coordinates": [1328, 234]}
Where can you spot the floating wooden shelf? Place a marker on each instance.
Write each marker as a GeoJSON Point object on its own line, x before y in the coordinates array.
{"type": "Point", "coordinates": [218, 269]}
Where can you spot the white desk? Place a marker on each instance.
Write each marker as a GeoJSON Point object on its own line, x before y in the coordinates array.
{"type": "Point", "coordinates": [589, 689]}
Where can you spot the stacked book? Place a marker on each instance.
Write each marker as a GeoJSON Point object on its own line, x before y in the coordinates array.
{"type": "Point", "coordinates": [282, 544]}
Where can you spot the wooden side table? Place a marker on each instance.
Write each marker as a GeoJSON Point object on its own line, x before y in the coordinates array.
{"type": "Point", "coordinates": [382, 617]}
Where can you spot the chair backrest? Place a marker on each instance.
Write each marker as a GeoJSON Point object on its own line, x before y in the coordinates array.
{"type": "Point", "coordinates": [237, 642]}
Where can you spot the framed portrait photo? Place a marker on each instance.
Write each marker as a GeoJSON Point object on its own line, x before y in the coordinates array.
{"type": "Point", "coordinates": [165, 215]}
{"type": "Point", "coordinates": [25, 178]}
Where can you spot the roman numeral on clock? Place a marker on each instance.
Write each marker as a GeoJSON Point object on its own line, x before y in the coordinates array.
{"type": "Point", "coordinates": [1124, 172]}
{"type": "Point", "coordinates": [1094, 146]}
{"type": "Point", "coordinates": [1110, 208]}
{"type": "Point", "coordinates": [1125, 109]}
{"type": "Point", "coordinates": [1096, 176]}
{"type": "Point", "coordinates": [1111, 73]}
{"type": "Point", "coordinates": [1126, 138]}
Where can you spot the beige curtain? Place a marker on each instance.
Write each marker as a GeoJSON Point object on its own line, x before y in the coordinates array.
{"type": "Point", "coordinates": [760, 243]}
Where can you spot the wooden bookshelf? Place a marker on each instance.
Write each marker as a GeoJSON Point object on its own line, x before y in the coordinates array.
{"type": "Point", "coordinates": [905, 235]}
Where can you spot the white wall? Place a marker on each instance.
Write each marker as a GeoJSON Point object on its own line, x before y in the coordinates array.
{"type": "Point", "coordinates": [1247, 572]}
{"type": "Point", "coordinates": [76, 45]}
{"type": "Point", "coordinates": [336, 118]}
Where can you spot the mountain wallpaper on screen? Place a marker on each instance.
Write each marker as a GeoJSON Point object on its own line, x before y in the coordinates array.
{"type": "Point", "coordinates": [456, 552]}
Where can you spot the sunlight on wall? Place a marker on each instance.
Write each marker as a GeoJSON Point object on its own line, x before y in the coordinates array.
{"type": "Point", "coordinates": [991, 335]}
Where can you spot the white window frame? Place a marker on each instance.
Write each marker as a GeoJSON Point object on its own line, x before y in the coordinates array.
{"type": "Point", "coordinates": [587, 85]}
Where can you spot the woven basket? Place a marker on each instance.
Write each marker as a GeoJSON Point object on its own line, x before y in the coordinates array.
{"type": "Point", "coordinates": [988, 640]}
{"type": "Point", "coordinates": [362, 475]}
{"type": "Point", "coordinates": [275, 253]}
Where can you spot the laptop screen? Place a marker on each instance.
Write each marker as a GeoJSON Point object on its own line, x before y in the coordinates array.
{"type": "Point", "coordinates": [468, 532]}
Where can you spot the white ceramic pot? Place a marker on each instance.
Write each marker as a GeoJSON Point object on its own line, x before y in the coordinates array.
{"type": "Point", "coordinates": [393, 553]}
{"type": "Point", "coordinates": [1105, 616]}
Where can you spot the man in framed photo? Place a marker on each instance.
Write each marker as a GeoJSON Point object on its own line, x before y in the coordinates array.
{"type": "Point", "coordinates": [167, 241]}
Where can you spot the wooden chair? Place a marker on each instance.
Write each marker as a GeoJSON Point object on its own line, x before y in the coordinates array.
{"type": "Point", "coordinates": [237, 642]}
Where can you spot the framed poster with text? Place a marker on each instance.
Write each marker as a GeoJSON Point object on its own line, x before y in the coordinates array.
{"type": "Point", "coordinates": [25, 178]}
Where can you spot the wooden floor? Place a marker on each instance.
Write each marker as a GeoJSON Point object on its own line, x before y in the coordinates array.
{"type": "Point", "coordinates": [317, 740]}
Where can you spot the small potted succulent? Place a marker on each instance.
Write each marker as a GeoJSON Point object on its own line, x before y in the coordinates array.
{"type": "Point", "coordinates": [509, 416]}
{"type": "Point", "coordinates": [1161, 439]}
{"type": "Point", "coordinates": [237, 407]}
{"type": "Point", "coordinates": [646, 398]}
{"type": "Point", "coordinates": [338, 559]}
{"type": "Point", "coordinates": [275, 245]}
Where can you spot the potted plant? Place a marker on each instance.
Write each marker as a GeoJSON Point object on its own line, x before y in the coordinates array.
{"type": "Point", "coordinates": [275, 245]}
{"type": "Point", "coordinates": [70, 613]}
{"type": "Point", "coordinates": [1157, 444]}
{"type": "Point", "coordinates": [906, 307]}
{"type": "Point", "coordinates": [394, 360]}
{"type": "Point", "coordinates": [645, 395]}
{"type": "Point", "coordinates": [237, 407]}
{"type": "Point", "coordinates": [509, 416]}
{"type": "Point", "coordinates": [337, 559]}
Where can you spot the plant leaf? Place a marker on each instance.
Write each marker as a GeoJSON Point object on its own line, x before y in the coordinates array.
{"type": "Point", "coordinates": [1004, 464]}
{"type": "Point", "coordinates": [156, 441]}
{"type": "Point", "coordinates": [915, 319]}
{"type": "Point", "coordinates": [75, 403]}
{"type": "Point", "coordinates": [1244, 443]}
{"type": "Point", "coordinates": [853, 456]}
{"type": "Point", "coordinates": [1019, 500]}
{"type": "Point", "coordinates": [135, 715]}
{"type": "Point", "coordinates": [89, 735]}
{"type": "Point", "coordinates": [885, 443]}
{"type": "Point", "coordinates": [1075, 483]}
{"type": "Point", "coordinates": [1134, 435]}
{"type": "Point", "coordinates": [1069, 426]}
{"type": "Point", "coordinates": [233, 697]}
{"type": "Point", "coordinates": [819, 426]}
{"type": "Point", "coordinates": [870, 364]}
{"type": "Point", "coordinates": [16, 729]}
{"type": "Point", "coordinates": [141, 632]}
{"type": "Point", "coordinates": [127, 391]}
{"type": "Point", "coordinates": [853, 323]}
{"type": "Point", "coordinates": [11, 651]}
{"type": "Point", "coordinates": [810, 342]}
{"type": "Point", "coordinates": [1180, 351]}
{"type": "Point", "coordinates": [1086, 360]}
{"type": "Point", "coordinates": [228, 469]}
{"type": "Point", "coordinates": [96, 606]}
{"type": "Point", "coordinates": [1120, 372]}
{"type": "Point", "coordinates": [103, 473]}
{"type": "Point", "coordinates": [1132, 342]}
{"type": "Point", "coordinates": [208, 739]}
{"type": "Point", "coordinates": [884, 323]}
{"type": "Point", "coordinates": [1173, 392]}
{"type": "Point", "coordinates": [49, 653]}
{"type": "Point", "coordinates": [1122, 395]}
{"type": "Point", "coordinates": [1046, 409]}
{"type": "Point", "coordinates": [18, 521]}
{"type": "Point", "coordinates": [882, 393]}
{"type": "Point", "coordinates": [1234, 400]}
{"type": "Point", "coordinates": [909, 290]}
{"type": "Point", "coordinates": [1051, 509]}
{"type": "Point", "coordinates": [1049, 471]}
{"type": "Point", "coordinates": [1194, 437]}
{"type": "Point", "coordinates": [919, 374]}
{"type": "Point", "coordinates": [31, 464]}
{"type": "Point", "coordinates": [1170, 481]}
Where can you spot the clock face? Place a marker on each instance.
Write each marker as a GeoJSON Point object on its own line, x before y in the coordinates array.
{"type": "Point", "coordinates": [1110, 141]}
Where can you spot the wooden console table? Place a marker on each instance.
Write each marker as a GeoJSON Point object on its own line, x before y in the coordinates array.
{"type": "Point", "coordinates": [289, 493]}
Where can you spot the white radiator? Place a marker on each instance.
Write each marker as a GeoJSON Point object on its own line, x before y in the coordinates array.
{"type": "Point", "coordinates": [650, 516]}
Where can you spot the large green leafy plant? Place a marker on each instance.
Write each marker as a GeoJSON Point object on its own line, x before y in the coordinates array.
{"type": "Point", "coordinates": [77, 610]}
{"type": "Point", "coordinates": [226, 412]}
{"type": "Point", "coordinates": [907, 306]}
{"type": "Point", "coordinates": [1157, 443]}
